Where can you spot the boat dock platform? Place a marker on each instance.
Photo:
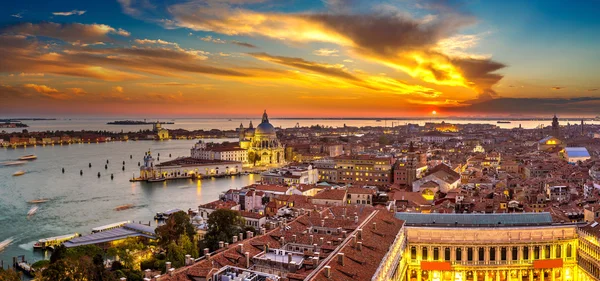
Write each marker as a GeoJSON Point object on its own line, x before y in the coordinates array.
{"type": "Point", "coordinates": [50, 243]}
{"type": "Point", "coordinates": [21, 264]}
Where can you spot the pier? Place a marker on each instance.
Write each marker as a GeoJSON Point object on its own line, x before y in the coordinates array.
{"type": "Point", "coordinates": [21, 264]}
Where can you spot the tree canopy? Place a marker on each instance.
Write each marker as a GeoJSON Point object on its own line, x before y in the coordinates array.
{"type": "Point", "coordinates": [223, 224]}
{"type": "Point", "coordinates": [178, 224]}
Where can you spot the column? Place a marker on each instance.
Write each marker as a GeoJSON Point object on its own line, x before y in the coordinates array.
{"type": "Point", "coordinates": [486, 255]}
{"type": "Point", "coordinates": [497, 275]}
{"type": "Point", "coordinates": [419, 277]}
{"type": "Point", "coordinates": [530, 274]}
{"type": "Point", "coordinates": [475, 273]}
{"type": "Point", "coordinates": [452, 253]}
{"type": "Point", "coordinates": [520, 253]}
{"type": "Point", "coordinates": [508, 277]}
{"type": "Point", "coordinates": [553, 275]}
{"type": "Point", "coordinates": [541, 275]}
{"type": "Point", "coordinates": [487, 276]}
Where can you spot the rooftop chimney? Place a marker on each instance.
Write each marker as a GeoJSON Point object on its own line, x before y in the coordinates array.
{"type": "Point", "coordinates": [241, 236]}
{"type": "Point", "coordinates": [263, 231]}
{"type": "Point", "coordinates": [322, 223]}
{"type": "Point", "coordinates": [282, 240]}
{"type": "Point", "coordinates": [247, 254]}
{"type": "Point", "coordinates": [240, 248]}
{"type": "Point", "coordinates": [292, 267]}
{"type": "Point", "coordinates": [294, 238]}
{"type": "Point", "coordinates": [375, 226]}
{"type": "Point", "coordinates": [310, 239]}
{"type": "Point", "coordinates": [226, 245]}
{"type": "Point", "coordinates": [344, 234]}
{"type": "Point", "coordinates": [249, 234]}
{"type": "Point", "coordinates": [355, 219]}
{"type": "Point", "coordinates": [321, 241]}
{"type": "Point", "coordinates": [188, 259]}
{"type": "Point", "coordinates": [168, 265]}
{"type": "Point", "coordinates": [289, 257]}
{"type": "Point", "coordinates": [359, 246]}
{"type": "Point", "coordinates": [170, 271]}
{"type": "Point", "coordinates": [221, 244]}
{"type": "Point", "coordinates": [206, 251]}
{"type": "Point", "coordinates": [147, 274]}
{"type": "Point", "coordinates": [359, 232]}
{"type": "Point", "coordinates": [341, 258]}
{"type": "Point", "coordinates": [234, 238]}
{"type": "Point", "coordinates": [122, 279]}
{"type": "Point", "coordinates": [328, 271]}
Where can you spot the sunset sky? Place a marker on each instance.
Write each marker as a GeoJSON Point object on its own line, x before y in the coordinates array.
{"type": "Point", "coordinates": [299, 58]}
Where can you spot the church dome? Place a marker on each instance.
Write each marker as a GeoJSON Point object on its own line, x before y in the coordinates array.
{"type": "Point", "coordinates": [265, 128]}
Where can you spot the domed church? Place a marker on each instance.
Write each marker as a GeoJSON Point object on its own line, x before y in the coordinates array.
{"type": "Point", "coordinates": [264, 149]}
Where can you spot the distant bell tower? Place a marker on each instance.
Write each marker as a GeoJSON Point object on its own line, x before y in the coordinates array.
{"type": "Point", "coordinates": [555, 126]}
{"type": "Point", "coordinates": [582, 131]}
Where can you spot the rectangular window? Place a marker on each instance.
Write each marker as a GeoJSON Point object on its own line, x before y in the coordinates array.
{"type": "Point", "coordinates": [525, 253]}
{"type": "Point", "coordinates": [503, 254]}
{"type": "Point", "coordinates": [436, 254]}
{"type": "Point", "coordinates": [547, 251]}
{"type": "Point", "coordinates": [424, 254]}
{"type": "Point", "coordinates": [492, 254]}
{"type": "Point", "coordinates": [515, 253]}
{"type": "Point", "coordinates": [447, 254]}
{"type": "Point", "coordinates": [413, 252]}
{"type": "Point", "coordinates": [558, 251]}
{"type": "Point", "coordinates": [469, 254]}
{"type": "Point", "coordinates": [458, 254]}
{"type": "Point", "coordinates": [481, 254]}
{"type": "Point", "coordinates": [536, 252]}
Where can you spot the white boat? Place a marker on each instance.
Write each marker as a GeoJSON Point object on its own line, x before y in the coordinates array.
{"type": "Point", "coordinates": [54, 241]}
{"type": "Point", "coordinates": [5, 243]}
{"type": "Point", "coordinates": [28, 157]}
{"type": "Point", "coordinates": [156, 179]}
{"type": "Point", "coordinates": [32, 211]}
{"type": "Point", "coordinates": [13, 163]}
{"type": "Point", "coordinates": [19, 173]}
{"type": "Point", "coordinates": [109, 226]}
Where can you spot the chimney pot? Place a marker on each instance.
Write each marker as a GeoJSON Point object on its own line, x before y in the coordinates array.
{"type": "Point", "coordinates": [168, 265]}
{"type": "Point", "coordinates": [247, 255]}
{"type": "Point", "coordinates": [289, 257]}
{"type": "Point", "coordinates": [321, 241]}
{"type": "Point", "coordinates": [122, 279]}
{"type": "Point", "coordinates": [328, 271]}
{"type": "Point", "coordinates": [234, 239]}
{"type": "Point", "coordinates": [206, 251]}
{"type": "Point", "coordinates": [221, 244]}
{"type": "Point", "coordinates": [294, 238]}
{"type": "Point", "coordinates": [359, 246]}
{"type": "Point", "coordinates": [226, 245]}
{"type": "Point", "coordinates": [375, 225]}
{"type": "Point", "coordinates": [240, 248]}
{"type": "Point", "coordinates": [241, 236]}
{"type": "Point", "coordinates": [341, 259]}
{"type": "Point", "coordinates": [359, 232]}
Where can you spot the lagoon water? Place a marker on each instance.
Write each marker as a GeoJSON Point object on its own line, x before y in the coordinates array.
{"type": "Point", "coordinates": [79, 203]}
{"type": "Point", "coordinates": [226, 124]}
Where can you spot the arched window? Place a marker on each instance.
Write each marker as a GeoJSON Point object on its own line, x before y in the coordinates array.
{"type": "Point", "coordinates": [424, 254]}
{"type": "Point", "coordinates": [536, 252]}
{"type": "Point", "coordinates": [436, 253]}
{"type": "Point", "coordinates": [525, 253]}
{"type": "Point", "coordinates": [547, 251]}
{"type": "Point", "coordinates": [558, 251]}
{"type": "Point", "coordinates": [447, 254]}
{"type": "Point", "coordinates": [413, 252]}
{"type": "Point", "coordinates": [458, 254]}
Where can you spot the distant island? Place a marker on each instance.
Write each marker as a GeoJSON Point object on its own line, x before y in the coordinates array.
{"type": "Point", "coordinates": [131, 122]}
{"type": "Point", "coordinates": [12, 124]}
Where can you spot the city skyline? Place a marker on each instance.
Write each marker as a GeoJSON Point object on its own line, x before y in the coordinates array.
{"type": "Point", "coordinates": [334, 58]}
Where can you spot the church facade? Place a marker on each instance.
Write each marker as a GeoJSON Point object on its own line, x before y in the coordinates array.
{"type": "Point", "coordinates": [264, 149]}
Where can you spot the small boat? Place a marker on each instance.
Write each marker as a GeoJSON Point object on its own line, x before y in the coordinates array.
{"type": "Point", "coordinates": [157, 180]}
{"type": "Point", "coordinates": [36, 201]}
{"type": "Point", "coordinates": [19, 173]}
{"type": "Point", "coordinates": [32, 211]}
{"type": "Point", "coordinates": [123, 207]}
{"type": "Point", "coordinates": [28, 157]}
{"type": "Point", "coordinates": [503, 122]}
{"type": "Point", "coordinates": [13, 163]}
{"type": "Point", "coordinates": [5, 244]}
{"type": "Point", "coordinates": [166, 214]}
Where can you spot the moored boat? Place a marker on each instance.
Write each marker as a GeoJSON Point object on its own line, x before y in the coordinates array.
{"type": "Point", "coordinates": [5, 243]}
{"type": "Point", "coordinates": [36, 201]}
{"type": "Point", "coordinates": [28, 157]}
{"type": "Point", "coordinates": [19, 173]}
{"type": "Point", "coordinates": [32, 211]}
{"type": "Point", "coordinates": [157, 179]}
{"type": "Point", "coordinates": [123, 207]}
{"type": "Point", "coordinates": [54, 241]}
{"type": "Point", "coordinates": [13, 163]}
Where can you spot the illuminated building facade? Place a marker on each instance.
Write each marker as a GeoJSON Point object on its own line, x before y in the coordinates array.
{"type": "Point", "coordinates": [264, 149]}
{"type": "Point", "coordinates": [490, 247]}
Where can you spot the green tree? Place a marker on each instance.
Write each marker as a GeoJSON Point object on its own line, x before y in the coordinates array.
{"type": "Point", "coordinates": [383, 140]}
{"type": "Point", "coordinates": [222, 225]}
{"type": "Point", "coordinates": [178, 224]}
{"type": "Point", "coordinates": [9, 275]}
{"type": "Point", "coordinates": [175, 254]}
{"type": "Point", "coordinates": [188, 246]}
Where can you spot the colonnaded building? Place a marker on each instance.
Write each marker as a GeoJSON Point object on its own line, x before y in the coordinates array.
{"type": "Point", "coordinates": [365, 243]}
{"type": "Point", "coordinates": [499, 247]}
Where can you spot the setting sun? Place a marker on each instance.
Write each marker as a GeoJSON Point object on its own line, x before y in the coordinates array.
{"type": "Point", "coordinates": [434, 112]}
